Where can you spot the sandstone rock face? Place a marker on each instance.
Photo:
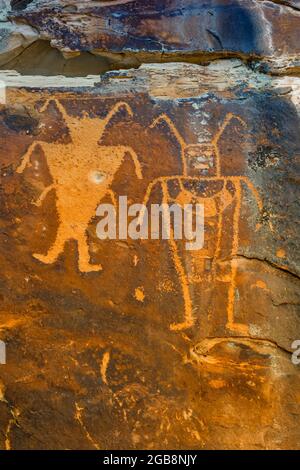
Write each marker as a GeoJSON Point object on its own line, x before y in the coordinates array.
{"type": "Point", "coordinates": [172, 28]}
{"type": "Point", "coordinates": [14, 38]}
{"type": "Point", "coordinates": [143, 344]}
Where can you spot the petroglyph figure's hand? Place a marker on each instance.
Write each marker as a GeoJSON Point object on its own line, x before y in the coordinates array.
{"type": "Point", "coordinates": [26, 158]}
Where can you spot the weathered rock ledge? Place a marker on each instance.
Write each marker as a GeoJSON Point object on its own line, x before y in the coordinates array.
{"type": "Point", "coordinates": [128, 33]}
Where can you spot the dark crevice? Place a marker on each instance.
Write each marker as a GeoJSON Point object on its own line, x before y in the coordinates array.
{"type": "Point", "coordinates": [254, 339]}
{"type": "Point", "coordinates": [283, 269]}
{"type": "Point", "coordinates": [285, 3]}
{"type": "Point", "coordinates": [20, 4]}
{"type": "Point", "coordinates": [232, 30]}
{"type": "Point", "coordinates": [216, 37]}
{"type": "Point", "coordinates": [41, 59]}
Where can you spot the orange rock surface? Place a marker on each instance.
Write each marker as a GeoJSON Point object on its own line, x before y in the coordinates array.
{"type": "Point", "coordinates": [143, 344]}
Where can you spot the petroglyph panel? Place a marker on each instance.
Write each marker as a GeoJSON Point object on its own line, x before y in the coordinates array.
{"type": "Point", "coordinates": [142, 343]}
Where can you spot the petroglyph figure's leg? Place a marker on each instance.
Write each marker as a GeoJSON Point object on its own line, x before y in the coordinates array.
{"type": "Point", "coordinates": [84, 263]}
{"type": "Point", "coordinates": [57, 248]}
{"type": "Point", "coordinates": [188, 307]}
{"type": "Point", "coordinates": [147, 198]}
{"type": "Point", "coordinates": [218, 244]}
{"type": "Point", "coordinates": [47, 190]}
{"type": "Point", "coordinates": [231, 325]}
{"type": "Point", "coordinates": [183, 279]}
{"type": "Point", "coordinates": [27, 156]}
{"type": "Point", "coordinates": [237, 327]}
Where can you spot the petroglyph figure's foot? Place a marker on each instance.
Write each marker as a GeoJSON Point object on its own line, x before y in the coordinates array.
{"type": "Point", "coordinates": [37, 203]}
{"type": "Point", "coordinates": [181, 326]}
{"type": "Point", "coordinates": [243, 330]}
{"type": "Point", "coordinates": [44, 258]}
{"type": "Point", "coordinates": [89, 268]}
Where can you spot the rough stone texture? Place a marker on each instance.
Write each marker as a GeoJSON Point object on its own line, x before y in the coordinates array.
{"type": "Point", "coordinates": [14, 39]}
{"type": "Point", "coordinates": [172, 28]}
{"type": "Point", "coordinates": [21, 49]}
{"type": "Point", "coordinates": [82, 371]}
{"type": "Point", "coordinates": [142, 344]}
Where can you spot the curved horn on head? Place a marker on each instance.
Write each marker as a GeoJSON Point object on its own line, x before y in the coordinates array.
{"type": "Point", "coordinates": [112, 112]}
{"type": "Point", "coordinates": [116, 108]}
{"type": "Point", "coordinates": [178, 136]}
{"type": "Point", "coordinates": [59, 106]}
{"type": "Point", "coordinates": [228, 118]}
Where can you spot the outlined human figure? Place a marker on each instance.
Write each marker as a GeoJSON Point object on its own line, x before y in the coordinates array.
{"type": "Point", "coordinates": [82, 172]}
{"type": "Point", "coordinates": [217, 192]}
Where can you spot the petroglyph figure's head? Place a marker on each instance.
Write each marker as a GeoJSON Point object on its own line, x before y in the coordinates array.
{"type": "Point", "coordinates": [86, 129]}
{"type": "Point", "coordinates": [201, 159]}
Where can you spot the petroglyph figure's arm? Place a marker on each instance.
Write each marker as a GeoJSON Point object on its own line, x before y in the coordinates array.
{"type": "Point", "coordinates": [135, 159]}
{"type": "Point", "coordinates": [164, 117]}
{"type": "Point", "coordinates": [147, 198]}
{"type": "Point", "coordinates": [26, 157]}
{"type": "Point", "coordinates": [113, 197]}
{"type": "Point", "coordinates": [254, 191]}
{"type": "Point", "coordinates": [47, 190]}
{"type": "Point", "coordinates": [149, 190]}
